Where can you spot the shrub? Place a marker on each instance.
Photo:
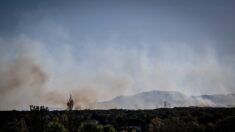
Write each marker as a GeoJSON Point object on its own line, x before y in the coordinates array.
{"type": "Point", "coordinates": [90, 127]}
{"type": "Point", "coordinates": [109, 128]}
{"type": "Point", "coordinates": [18, 126]}
{"type": "Point", "coordinates": [155, 124]}
{"type": "Point", "coordinates": [55, 126]}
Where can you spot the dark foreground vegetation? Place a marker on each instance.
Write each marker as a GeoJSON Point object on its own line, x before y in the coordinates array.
{"type": "Point", "coordinates": [162, 120]}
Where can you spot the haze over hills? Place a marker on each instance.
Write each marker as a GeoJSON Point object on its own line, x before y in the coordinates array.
{"type": "Point", "coordinates": [98, 50]}
{"type": "Point", "coordinates": [158, 99]}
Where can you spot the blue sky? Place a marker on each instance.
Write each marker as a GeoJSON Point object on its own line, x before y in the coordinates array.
{"type": "Point", "coordinates": [120, 47]}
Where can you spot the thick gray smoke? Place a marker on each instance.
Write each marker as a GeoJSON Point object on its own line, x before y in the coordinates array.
{"type": "Point", "coordinates": [31, 74]}
{"type": "Point", "coordinates": [22, 79]}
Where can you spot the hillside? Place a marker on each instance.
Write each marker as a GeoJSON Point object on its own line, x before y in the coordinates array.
{"type": "Point", "coordinates": [158, 99]}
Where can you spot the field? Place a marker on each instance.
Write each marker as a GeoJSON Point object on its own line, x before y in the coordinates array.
{"type": "Point", "coordinates": [186, 119]}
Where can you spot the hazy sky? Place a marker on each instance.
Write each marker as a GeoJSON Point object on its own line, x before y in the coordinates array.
{"type": "Point", "coordinates": [101, 49]}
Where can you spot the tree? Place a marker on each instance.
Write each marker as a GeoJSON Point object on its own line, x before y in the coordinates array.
{"type": "Point", "coordinates": [70, 103]}
{"type": "Point", "coordinates": [109, 128]}
{"type": "Point", "coordinates": [90, 127]}
{"type": "Point", "coordinates": [18, 126]}
{"type": "Point", "coordinates": [70, 108]}
{"type": "Point", "coordinates": [155, 124]}
{"type": "Point", "coordinates": [55, 126]}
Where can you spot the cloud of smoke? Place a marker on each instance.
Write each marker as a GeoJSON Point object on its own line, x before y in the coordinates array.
{"type": "Point", "coordinates": [32, 74]}
{"type": "Point", "coordinates": [21, 79]}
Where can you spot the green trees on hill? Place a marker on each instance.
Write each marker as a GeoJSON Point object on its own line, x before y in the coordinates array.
{"type": "Point", "coordinates": [159, 120]}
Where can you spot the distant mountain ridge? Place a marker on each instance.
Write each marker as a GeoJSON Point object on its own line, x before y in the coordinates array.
{"type": "Point", "coordinates": [158, 99]}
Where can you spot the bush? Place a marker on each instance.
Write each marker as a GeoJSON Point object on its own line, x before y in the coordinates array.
{"type": "Point", "coordinates": [155, 124]}
{"type": "Point", "coordinates": [227, 125]}
{"type": "Point", "coordinates": [89, 127]}
{"type": "Point", "coordinates": [55, 126]}
{"type": "Point", "coordinates": [18, 126]}
{"type": "Point", "coordinates": [109, 128]}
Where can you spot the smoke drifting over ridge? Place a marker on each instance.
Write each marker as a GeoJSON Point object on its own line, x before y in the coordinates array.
{"type": "Point", "coordinates": [30, 74]}
{"type": "Point", "coordinates": [97, 50]}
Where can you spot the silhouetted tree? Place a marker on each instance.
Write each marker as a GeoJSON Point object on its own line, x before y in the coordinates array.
{"type": "Point", "coordinates": [38, 108]}
{"type": "Point", "coordinates": [70, 116]}
{"type": "Point", "coordinates": [70, 103]}
{"type": "Point", "coordinates": [166, 104]}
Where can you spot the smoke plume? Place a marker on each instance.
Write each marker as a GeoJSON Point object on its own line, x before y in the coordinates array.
{"type": "Point", "coordinates": [32, 73]}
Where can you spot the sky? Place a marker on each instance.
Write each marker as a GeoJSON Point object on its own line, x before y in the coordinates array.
{"type": "Point", "coordinates": [97, 50]}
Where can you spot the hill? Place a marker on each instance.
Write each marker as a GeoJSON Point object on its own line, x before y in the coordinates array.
{"type": "Point", "coordinates": [158, 99]}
